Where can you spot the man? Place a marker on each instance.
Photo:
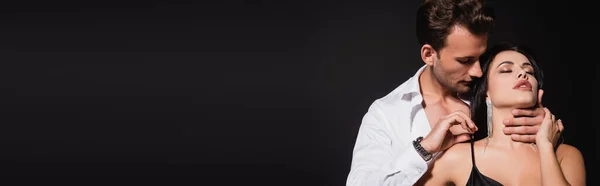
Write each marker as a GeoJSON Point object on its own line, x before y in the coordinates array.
{"type": "Point", "coordinates": [404, 131]}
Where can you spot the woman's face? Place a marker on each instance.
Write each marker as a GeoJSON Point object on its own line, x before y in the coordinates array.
{"type": "Point", "coordinates": [511, 82]}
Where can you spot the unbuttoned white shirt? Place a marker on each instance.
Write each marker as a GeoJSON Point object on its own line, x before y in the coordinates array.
{"type": "Point", "coordinates": [384, 153]}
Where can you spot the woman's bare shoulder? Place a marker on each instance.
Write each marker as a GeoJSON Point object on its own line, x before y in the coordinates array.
{"type": "Point", "coordinates": [457, 153]}
{"type": "Point", "coordinates": [446, 168]}
{"type": "Point", "coordinates": [567, 151]}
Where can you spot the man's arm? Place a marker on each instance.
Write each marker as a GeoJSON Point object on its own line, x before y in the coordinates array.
{"type": "Point", "coordinates": [374, 163]}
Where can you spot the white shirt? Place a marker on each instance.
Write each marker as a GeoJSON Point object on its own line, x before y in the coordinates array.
{"type": "Point", "coordinates": [383, 153]}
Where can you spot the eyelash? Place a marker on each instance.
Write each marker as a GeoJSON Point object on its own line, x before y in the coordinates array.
{"type": "Point", "coordinates": [509, 71]}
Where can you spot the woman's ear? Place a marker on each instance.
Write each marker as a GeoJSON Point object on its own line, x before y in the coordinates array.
{"type": "Point", "coordinates": [428, 54]}
{"type": "Point", "coordinates": [540, 94]}
{"type": "Point", "coordinates": [487, 96]}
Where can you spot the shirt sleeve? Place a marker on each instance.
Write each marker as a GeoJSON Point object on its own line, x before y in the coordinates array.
{"type": "Point", "coordinates": [373, 160]}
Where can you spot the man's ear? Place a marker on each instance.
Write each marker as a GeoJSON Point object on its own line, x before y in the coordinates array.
{"type": "Point", "coordinates": [428, 54]}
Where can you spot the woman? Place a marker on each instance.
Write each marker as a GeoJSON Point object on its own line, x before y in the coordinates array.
{"type": "Point", "coordinates": [511, 79]}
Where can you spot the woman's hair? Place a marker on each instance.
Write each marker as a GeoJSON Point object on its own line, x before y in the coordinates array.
{"type": "Point", "coordinates": [480, 85]}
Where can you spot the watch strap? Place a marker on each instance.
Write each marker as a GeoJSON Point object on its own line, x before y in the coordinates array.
{"type": "Point", "coordinates": [422, 152]}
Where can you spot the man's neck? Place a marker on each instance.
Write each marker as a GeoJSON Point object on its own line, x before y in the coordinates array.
{"type": "Point", "coordinates": [431, 87]}
{"type": "Point", "coordinates": [498, 138]}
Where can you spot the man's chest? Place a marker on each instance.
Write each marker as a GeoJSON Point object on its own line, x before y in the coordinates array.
{"type": "Point", "coordinates": [435, 113]}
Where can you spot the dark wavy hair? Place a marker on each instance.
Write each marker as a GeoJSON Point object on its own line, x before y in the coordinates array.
{"type": "Point", "coordinates": [479, 87]}
{"type": "Point", "coordinates": [435, 19]}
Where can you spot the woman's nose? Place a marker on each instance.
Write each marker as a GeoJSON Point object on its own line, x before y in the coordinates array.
{"type": "Point", "coordinates": [523, 75]}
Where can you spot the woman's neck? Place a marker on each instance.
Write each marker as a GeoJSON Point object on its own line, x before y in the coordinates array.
{"type": "Point", "coordinates": [498, 138]}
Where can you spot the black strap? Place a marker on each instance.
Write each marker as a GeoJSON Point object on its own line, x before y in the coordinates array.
{"type": "Point", "coordinates": [472, 151]}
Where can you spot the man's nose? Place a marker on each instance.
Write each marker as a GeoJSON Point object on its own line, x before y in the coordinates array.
{"type": "Point", "coordinates": [475, 70]}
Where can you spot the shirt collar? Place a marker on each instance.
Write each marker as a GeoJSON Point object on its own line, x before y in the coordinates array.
{"type": "Point", "coordinates": [413, 91]}
{"type": "Point", "coordinates": [414, 88]}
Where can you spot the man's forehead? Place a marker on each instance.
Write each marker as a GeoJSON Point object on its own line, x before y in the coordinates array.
{"type": "Point", "coordinates": [473, 47]}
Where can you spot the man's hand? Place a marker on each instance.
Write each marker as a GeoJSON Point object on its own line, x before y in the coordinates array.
{"type": "Point", "coordinates": [440, 138]}
{"type": "Point", "coordinates": [526, 122]}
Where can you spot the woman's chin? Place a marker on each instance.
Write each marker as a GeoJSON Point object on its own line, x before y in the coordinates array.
{"type": "Point", "coordinates": [524, 104]}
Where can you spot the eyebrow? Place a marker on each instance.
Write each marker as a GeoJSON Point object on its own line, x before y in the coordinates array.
{"type": "Point", "coordinates": [505, 62]}
{"type": "Point", "coordinates": [512, 63]}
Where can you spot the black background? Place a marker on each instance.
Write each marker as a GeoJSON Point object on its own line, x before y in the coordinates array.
{"type": "Point", "coordinates": [236, 92]}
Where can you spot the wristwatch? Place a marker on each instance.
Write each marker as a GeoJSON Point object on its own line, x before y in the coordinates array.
{"type": "Point", "coordinates": [424, 154]}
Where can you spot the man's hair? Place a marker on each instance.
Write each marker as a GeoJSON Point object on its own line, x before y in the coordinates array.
{"type": "Point", "coordinates": [435, 19]}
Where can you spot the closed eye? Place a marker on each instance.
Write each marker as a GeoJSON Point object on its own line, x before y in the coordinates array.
{"type": "Point", "coordinates": [466, 60]}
